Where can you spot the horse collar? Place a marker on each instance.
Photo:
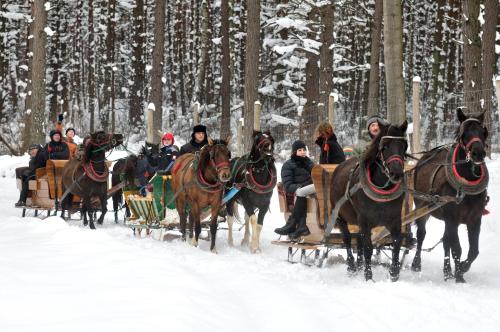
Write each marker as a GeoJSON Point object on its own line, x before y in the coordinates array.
{"type": "Point", "coordinates": [374, 192]}
{"type": "Point", "coordinates": [94, 175]}
{"type": "Point", "coordinates": [458, 182]}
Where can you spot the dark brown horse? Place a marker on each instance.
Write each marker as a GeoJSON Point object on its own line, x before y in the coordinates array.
{"type": "Point", "coordinates": [198, 182]}
{"type": "Point", "coordinates": [379, 176]}
{"type": "Point", "coordinates": [256, 174]}
{"type": "Point", "coordinates": [457, 171]}
{"type": "Point", "coordinates": [88, 177]}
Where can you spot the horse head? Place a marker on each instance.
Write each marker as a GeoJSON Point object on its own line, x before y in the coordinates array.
{"type": "Point", "coordinates": [389, 149]}
{"type": "Point", "coordinates": [471, 135]}
{"type": "Point", "coordinates": [219, 158]}
{"type": "Point", "coordinates": [263, 145]}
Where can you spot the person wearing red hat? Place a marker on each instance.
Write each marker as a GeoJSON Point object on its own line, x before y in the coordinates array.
{"type": "Point", "coordinates": [168, 153]}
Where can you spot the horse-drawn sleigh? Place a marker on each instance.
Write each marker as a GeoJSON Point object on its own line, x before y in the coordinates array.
{"type": "Point", "coordinates": [359, 196]}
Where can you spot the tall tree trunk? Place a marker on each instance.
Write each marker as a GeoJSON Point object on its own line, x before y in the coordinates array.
{"type": "Point", "coordinates": [200, 88]}
{"type": "Point", "coordinates": [136, 111]}
{"type": "Point", "coordinates": [326, 54]}
{"type": "Point", "coordinates": [472, 56]}
{"type": "Point", "coordinates": [374, 84]}
{"type": "Point", "coordinates": [251, 68]}
{"type": "Point", "coordinates": [157, 71]}
{"type": "Point", "coordinates": [38, 119]}
{"type": "Point", "coordinates": [108, 65]}
{"type": "Point", "coordinates": [393, 55]}
{"type": "Point", "coordinates": [91, 64]}
{"type": "Point", "coordinates": [489, 27]}
{"type": "Point", "coordinates": [225, 129]}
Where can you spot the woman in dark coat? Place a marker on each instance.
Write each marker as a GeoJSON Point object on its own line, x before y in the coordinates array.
{"type": "Point", "coordinates": [331, 153]}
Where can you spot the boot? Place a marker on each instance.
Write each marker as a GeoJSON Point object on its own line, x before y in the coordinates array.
{"type": "Point", "coordinates": [302, 229]}
{"type": "Point", "coordinates": [20, 203]}
{"type": "Point", "coordinates": [289, 227]}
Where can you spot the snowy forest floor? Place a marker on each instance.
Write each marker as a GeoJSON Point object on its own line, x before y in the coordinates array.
{"type": "Point", "coordinates": [58, 276]}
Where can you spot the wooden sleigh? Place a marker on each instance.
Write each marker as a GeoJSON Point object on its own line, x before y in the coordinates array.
{"type": "Point", "coordinates": [45, 192]}
{"type": "Point", "coordinates": [318, 215]}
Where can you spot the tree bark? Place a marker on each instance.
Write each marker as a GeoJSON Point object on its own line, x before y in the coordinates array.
{"type": "Point", "coordinates": [393, 55]}
{"type": "Point", "coordinates": [489, 27]}
{"type": "Point", "coordinates": [157, 71]}
{"type": "Point", "coordinates": [91, 63]}
{"type": "Point", "coordinates": [251, 68]}
{"type": "Point", "coordinates": [326, 54]}
{"type": "Point", "coordinates": [226, 72]}
{"type": "Point", "coordinates": [38, 119]}
{"type": "Point", "coordinates": [108, 65]}
{"type": "Point", "coordinates": [136, 111]}
{"type": "Point", "coordinates": [374, 82]}
{"type": "Point", "coordinates": [472, 56]}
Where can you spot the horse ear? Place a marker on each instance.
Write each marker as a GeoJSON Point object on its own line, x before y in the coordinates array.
{"type": "Point", "coordinates": [228, 140]}
{"type": "Point", "coordinates": [404, 126]}
{"type": "Point", "coordinates": [210, 141]}
{"type": "Point", "coordinates": [460, 115]}
{"type": "Point", "coordinates": [480, 117]}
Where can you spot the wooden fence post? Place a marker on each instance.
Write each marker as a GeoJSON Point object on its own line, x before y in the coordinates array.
{"type": "Point", "coordinates": [196, 113]}
{"type": "Point", "coordinates": [150, 136]}
{"type": "Point", "coordinates": [256, 115]}
{"type": "Point", "coordinates": [415, 146]}
{"type": "Point", "coordinates": [332, 98]}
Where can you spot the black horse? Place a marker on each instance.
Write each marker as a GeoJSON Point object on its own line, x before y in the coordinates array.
{"type": "Point", "coordinates": [88, 177]}
{"type": "Point", "coordinates": [125, 170]}
{"type": "Point", "coordinates": [375, 186]}
{"type": "Point", "coordinates": [457, 171]}
{"type": "Point", "coordinates": [256, 174]}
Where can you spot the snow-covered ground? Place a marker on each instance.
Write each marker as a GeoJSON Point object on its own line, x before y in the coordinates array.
{"type": "Point", "coordinates": [58, 276]}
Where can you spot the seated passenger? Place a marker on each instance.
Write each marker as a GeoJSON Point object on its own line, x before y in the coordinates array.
{"type": "Point", "coordinates": [70, 134]}
{"type": "Point", "coordinates": [296, 178]}
{"type": "Point", "coordinates": [56, 149]}
{"type": "Point", "coordinates": [37, 160]}
{"type": "Point", "coordinates": [168, 153]}
{"type": "Point", "coordinates": [198, 140]}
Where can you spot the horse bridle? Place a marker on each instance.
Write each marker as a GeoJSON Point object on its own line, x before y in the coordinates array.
{"type": "Point", "coordinates": [220, 166]}
{"type": "Point", "coordinates": [474, 139]}
{"type": "Point", "coordinates": [391, 159]}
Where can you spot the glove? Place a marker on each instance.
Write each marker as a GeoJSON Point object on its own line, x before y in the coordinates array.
{"type": "Point", "coordinates": [60, 117]}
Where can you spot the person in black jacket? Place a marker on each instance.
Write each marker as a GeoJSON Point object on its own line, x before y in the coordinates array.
{"type": "Point", "coordinates": [37, 160]}
{"type": "Point", "coordinates": [198, 140]}
{"type": "Point", "coordinates": [56, 149]}
{"type": "Point", "coordinates": [331, 152]}
{"type": "Point", "coordinates": [296, 178]}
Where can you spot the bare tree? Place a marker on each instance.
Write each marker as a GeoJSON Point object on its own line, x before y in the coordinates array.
{"type": "Point", "coordinates": [157, 71]}
{"type": "Point", "coordinates": [91, 63]}
{"type": "Point", "coordinates": [374, 83]}
{"type": "Point", "coordinates": [472, 55]}
{"type": "Point", "coordinates": [326, 53]}
{"type": "Point", "coordinates": [225, 129]}
{"type": "Point", "coordinates": [38, 120]}
{"type": "Point", "coordinates": [251, 67]}
{"type": "Point", "coordinates": [136, 121]}
{"type": "Point", "coordinates": [393, 56]}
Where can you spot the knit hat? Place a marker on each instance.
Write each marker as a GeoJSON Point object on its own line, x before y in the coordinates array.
{"type": "Point", "coordinates": [200, 129]}
{"type": "Point", "coordinates": [53, 132]}
{"type": "Point", "coordinates": [373, 119]}
{"type": "Point", "coordinates": [34, 146]}
{"type": "Point", "coordinates": [298, 145]}
{"type": "Point", "coordinates": [69, 130]}
{"type": "Point", "coordinates": [169, 136]}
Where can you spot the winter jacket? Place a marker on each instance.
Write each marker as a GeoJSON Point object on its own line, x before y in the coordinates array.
{"type": "Point", "coordinates": [56, 151]}
{"type": "Point", "coordinates": [168, 154]}
{"type": "Point", "coordinates": [192, 146]}
{"type": "Point", "coordinates": [73, 147]}
{"type": "Point", "coordinates": [38, 161]}
{"type": "Point", "coordinates": [296, 173]}
{"type": "Point", "coordinates": [331, 152]}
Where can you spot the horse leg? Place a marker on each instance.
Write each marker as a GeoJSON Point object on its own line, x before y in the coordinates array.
{"type": "Point", "coordinates": [359, 248]}
{"type": "Point", "coordinates": [447, 248]}
{"type": "Point", "coordinates": [246, 235]}
{"type": "Point", "coordinates": [346, 236]}
{"type": "Point", "coordinates": [473, 231]}
{"type": "Point", "coordinates": [116, 200]}
{"type": "Point", "coordinates": [194, 217]}
{"type": "Point", "coordinates": [416, 265]}
{"type": "Point", "coordinates": [456, 251]}
{"type": "Point", "coordinates": [396, 247]}
{"type": "Point", "coordinates": [367, 250]}
{"type": "Point", "coordinates": [104, 202]}
{"type": "Point", "coordinates": [87, 205]}
{"type": "Point", "coordinates": [213, 228]}
{"type": "Point", "coordinates": [84, 213]}
{"type": "Point", "coordinates": [191, 223]}
{"type": "Point", "coordinates": [260, 223]}
{"type": "Point", "coordinates": [230, 221]}
{"type": "Point", "coordinates": [182, 217]}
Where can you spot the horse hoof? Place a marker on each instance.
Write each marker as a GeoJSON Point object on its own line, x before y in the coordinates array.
{"type": "Point", "coordinates": [214, 251]}
{"type": "Point", "coordinates": [464, 266]}
{"type": "Point", "coordinates": [92, 226]}
{"type": "Point", "coordinates": [448, 276]}
{"type": "Point", "coordinates": [244, 242]}
{"type": "Point", "coordinates": [255, 250]}
{"type": "Point", "coordinates": [416, 268]}
{"type": "Point", "coordinates": [368, 275]}
{"type": "Point", "coordinates": [194, 243]}
{"type": "Point", "coordinates": [459, 279]}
